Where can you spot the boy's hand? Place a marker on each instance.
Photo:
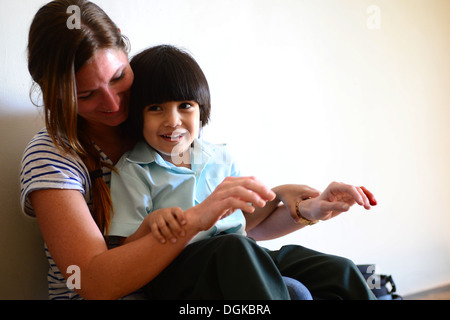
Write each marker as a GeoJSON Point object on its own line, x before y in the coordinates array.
{"type": "Point", "coordinates": [167, 224]}
{"type": "Point", "coordinates": [244, 193]}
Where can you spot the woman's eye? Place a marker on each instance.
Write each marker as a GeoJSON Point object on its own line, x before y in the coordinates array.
{"type": "Point", "coordinates": [120, 77]}
{"type": "Point", "coordinates": [85, 96]}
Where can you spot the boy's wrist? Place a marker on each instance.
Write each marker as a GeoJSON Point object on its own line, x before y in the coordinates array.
{"type": "Point", "coordinates": [193, 221]}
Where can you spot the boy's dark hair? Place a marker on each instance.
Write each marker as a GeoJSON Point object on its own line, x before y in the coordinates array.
{"type": "Point", "coordinates": [166, 73]}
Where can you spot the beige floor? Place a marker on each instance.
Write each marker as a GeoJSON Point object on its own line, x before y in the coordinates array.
{"type": "Point", "coordinates": [441, 293]}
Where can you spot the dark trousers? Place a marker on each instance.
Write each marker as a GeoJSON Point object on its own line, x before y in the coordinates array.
{"type": "Point", "coordinates": [234, 267]}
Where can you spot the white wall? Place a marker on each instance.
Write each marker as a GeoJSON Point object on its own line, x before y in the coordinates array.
{"type": "Point", "coordinates": [303, 92]}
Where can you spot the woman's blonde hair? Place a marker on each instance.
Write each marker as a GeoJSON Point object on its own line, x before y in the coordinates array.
{"type": "Point", "coordinates": [56, 51]}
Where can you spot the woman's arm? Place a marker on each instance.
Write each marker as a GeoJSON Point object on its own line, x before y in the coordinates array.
{"type": "Point", "coordinates": [73, 238]}
{"type": "Point", "coordinates": [337, 198]}
{"type": "Point", "coordinates": [279, 223]}
{"type": "Point", "coordinates": [276, 219]}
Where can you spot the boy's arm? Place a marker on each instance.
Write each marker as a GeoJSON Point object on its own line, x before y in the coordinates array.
{"type": "Point", "coordinates": [133, 215]}
{"type": "Point", "coordinates": [168, 226]}
{"type": "Point", "coordinates": [131, 204]}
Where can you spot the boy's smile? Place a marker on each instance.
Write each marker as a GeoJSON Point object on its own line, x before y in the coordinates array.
{"type": "Point", "coordinates": [173, 137]}
{"type": "Point", "coordinates": [171, 127]}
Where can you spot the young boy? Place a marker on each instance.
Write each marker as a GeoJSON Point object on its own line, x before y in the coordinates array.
{"type": "Point", "coordinates": [170, 166]}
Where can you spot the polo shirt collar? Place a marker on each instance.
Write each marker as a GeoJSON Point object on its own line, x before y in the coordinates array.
{"type": "Point", "coordinates": [144, 154]}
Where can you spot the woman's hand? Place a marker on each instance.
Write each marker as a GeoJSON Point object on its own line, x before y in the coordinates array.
{"type": "Point", "coordinates": [290, 193]}
{"type": "Point", "coordinates": [335, 199]}
{"type": "Point", "coordinates": [244, 193]}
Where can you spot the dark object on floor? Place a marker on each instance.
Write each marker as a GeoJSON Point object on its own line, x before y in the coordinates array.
{"type": "Point", "coordinates": [383, 286]}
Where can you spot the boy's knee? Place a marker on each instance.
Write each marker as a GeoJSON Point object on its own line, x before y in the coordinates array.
{"type": "Point", "coordinates": [234, 241]}
{"type": "Point", "coordinates": [242, 250]}
{"type": "Point", "coordinates": [343, 265]}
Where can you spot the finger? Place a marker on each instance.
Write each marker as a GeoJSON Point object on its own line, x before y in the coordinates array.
{"type": "Point", "coordinates": [245, 194]}
{"type": "Point", "coordinates": [259, 188]}
{"type": "Point", "coordinates": [334, 206]}
{"type": "Point", "coordinates": [227, 213]}
{"type": "Point", "coordinates": [179, 214]}
{"type": "Point", "coordinates": [238, 188]}
{"type": "Point", "coordinates": [166, 232]}
{"type": "Point", "coordinates": [356, 194]}
{"type": "Point", "coordinates": [251, 197]}
{"type": "Point", "coordinates": [181, 220]}
{"type": "Point", "coordinates": [309, 192]}
{"type": "Point", "coordinates": [252, 184]}
{"type": "Point", "coordinates": [364, 198]}
{"type": "Point", "coordinates": [231, 204]}
{"type": "Point", "coordinates": [370, 196]}
{"type": "Point", "coordinates": [240, 193]}
{"type": "Point", "coordinates": [174, 225]}
{"type": "Point", "coordinates": [155, 232]}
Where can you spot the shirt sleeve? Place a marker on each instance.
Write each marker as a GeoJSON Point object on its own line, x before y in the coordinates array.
{"type": "Point", "coordinates": [235, 170]}
{"type": "Point", "coordinates": [131, 199]}
{"type": "Point", "coordinates": [44, 166]}
{"type": "Point", "coordinates": [230, 163]}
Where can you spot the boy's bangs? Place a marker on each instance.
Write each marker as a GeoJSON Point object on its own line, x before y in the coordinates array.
{"type": "Point", "coordinates": [173, 82]}
{"type": "Point", "coordinates": [163, 74]}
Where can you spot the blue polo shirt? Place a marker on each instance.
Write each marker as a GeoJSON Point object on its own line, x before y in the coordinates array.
{"type": "Point", "coordinates": [146, 182]}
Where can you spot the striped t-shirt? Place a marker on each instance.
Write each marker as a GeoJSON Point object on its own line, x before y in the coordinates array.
{"type": "Point", "coordinates": [44, 166]}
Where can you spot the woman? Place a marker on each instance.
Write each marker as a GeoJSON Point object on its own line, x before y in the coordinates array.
{"type": "Point", "coordinates": [84, 76]}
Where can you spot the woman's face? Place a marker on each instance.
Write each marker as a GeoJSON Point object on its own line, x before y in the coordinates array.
{"type": "Point", "coordinates": [103, 85]}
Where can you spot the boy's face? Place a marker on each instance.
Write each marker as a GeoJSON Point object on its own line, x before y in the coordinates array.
{"type": "Point", "coordinates": [171, 127]}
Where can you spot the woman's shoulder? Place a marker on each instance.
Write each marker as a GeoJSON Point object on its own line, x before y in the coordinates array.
{"type": "Point", "coordinates": [41, 147]}
{"type": "Point", "coordinates": [39, 137]}
{"type": "Point", "coordinates": [43, 140]}
{"type": "Point", "coordinates": [45, 166]}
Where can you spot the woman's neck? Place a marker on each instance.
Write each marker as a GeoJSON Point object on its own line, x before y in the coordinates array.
{"type": "Point", "coordinates": [112, 140]}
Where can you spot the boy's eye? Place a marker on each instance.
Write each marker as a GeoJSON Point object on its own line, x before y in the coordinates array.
{"type": "Point", "coordinates": [185, 105]}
